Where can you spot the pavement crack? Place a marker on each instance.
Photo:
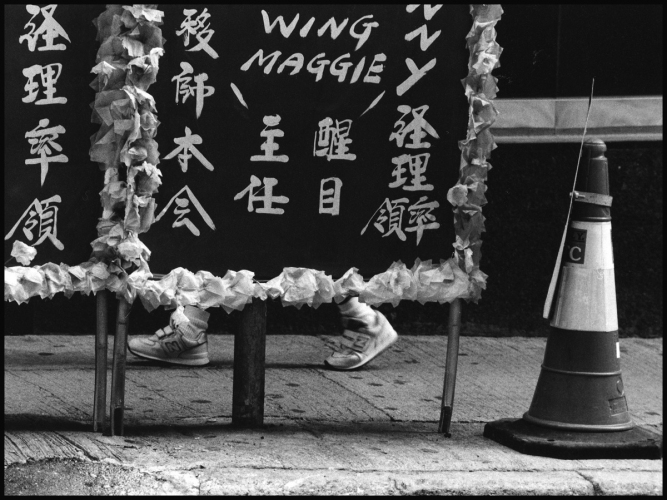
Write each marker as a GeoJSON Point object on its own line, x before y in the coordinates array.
{"type": "Point", "coordinates": [317, 435]}
{"type": "Point", "coordinates": [597, 490]}
{"type": "Point", "coordinates": [371, 403]}
{"type": "Point", "coordinates": [129, 377]}
{"type": "Point", "coordinates": [17, 447]}
{"type": "Point", "coordinates": [76, 445]}
{"type": "Point", "coordinates": [65, 403]}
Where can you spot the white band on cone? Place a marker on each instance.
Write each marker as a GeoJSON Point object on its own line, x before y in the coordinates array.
{"type": "Point", "coordinates": [587, 294]}
{"type": "Point", "coordinates": [588, 245]}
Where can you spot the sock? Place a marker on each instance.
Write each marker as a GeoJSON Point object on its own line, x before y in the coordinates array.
{"type": "Point", "coordinates": [354, 308]}
{"type": "Point", "coordinates": [198, 322]}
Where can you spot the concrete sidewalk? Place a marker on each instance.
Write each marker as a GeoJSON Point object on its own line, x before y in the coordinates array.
{"type": "Point", "coordinates": [372, 431]}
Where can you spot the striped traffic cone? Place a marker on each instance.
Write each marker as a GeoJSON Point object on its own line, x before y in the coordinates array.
{"type": "Point", "coordinates": [579, 399]}
{"type": "Point", "coordinates": [580, 386]}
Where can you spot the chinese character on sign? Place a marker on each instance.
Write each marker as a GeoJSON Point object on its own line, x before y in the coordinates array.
{"type": "Point", "coordinates": [199, 90]}
{"type": "Point", "coordinates": [49, 30]}
{"type": "Point", "coordinates": [390, 218]}
{"type": "Point", "coordinates": [268, 198]}
{"type": "Point", "coordinates": [182, 201]}
{"type": "Point", "coordinates": [332, 142]}
{"type": "Point", "coordinates": [196, 27]}
{"type": "Point", "coordinates": [391, 213]}
{"type": "Point", "coordinates": [269, 146]}
{"type": "Point", "coordinates": [417, 128]}
{"type": "Point", "coordinates": [330, 197]}
{"type": "Point", "coordinates": [186, 144]}
{"type": "Point", "coordinates": [420, 213]}
{"type": "Point", "coordinates": [49, 75]}
{"type": "Point", "coordinates": [417, 165]}
{"type": "Point", "coordinates": [40, 138]}
{"type": "Point", "coordinates": [42, 216]}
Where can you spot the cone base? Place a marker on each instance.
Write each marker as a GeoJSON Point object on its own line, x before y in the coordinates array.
{"type": "Point", "coordinates": [625, 426]}
{"type": "Point", "coordinates": [529, 439]}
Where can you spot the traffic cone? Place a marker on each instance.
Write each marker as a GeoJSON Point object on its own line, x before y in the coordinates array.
{"type": "Point", "coordinates": [580, 386]}
{"type": "Point", "coordinates": [579, 409]}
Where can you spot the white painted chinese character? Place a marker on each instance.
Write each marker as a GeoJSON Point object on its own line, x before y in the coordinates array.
{"type": "Point", "coordinates": [44, 216]}
{"type": "Point", "coordinates": [40, 139]}
{"type": "Point", "coordinates": [49, 30]}
{"type": "Point", "coordinates": [186, 144]}
{"type": "Point", "coordinates": [390, 212]}
{"type": "Point", "coordinates": [417, 128]}
{"type": "Point", "coordinates": [269, 146]}
{"type": "Point", "coordinates": [268, 198]}
{"type": "Point", "coordinates": [333, 141]}
{"type": "Point", "coordinates": [49, 76]}
{"type": "Point", "coordinates": [196, 27]}
{"type": "Point", "coordinates": [330, 197]}
{"type": "Point", "coordinates": [199, 90]}
{"type": "Point", "coordinates": [420, 213]}
{"type": "Point", "coordinates": [417, 165]}
{"type": "Point", "coordinates": [182, 200]}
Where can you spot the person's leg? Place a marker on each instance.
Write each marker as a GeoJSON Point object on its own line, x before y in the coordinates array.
{"type": "Point", "coordinates": [367, 334]}
{"type": "Point", "coordinates": [186, 344]}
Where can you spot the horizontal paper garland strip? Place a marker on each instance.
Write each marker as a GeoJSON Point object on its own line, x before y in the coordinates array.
{"type": "Point", "coordinates": [295, 286]}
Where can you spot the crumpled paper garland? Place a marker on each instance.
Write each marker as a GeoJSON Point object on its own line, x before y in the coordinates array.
{"type": "Point", "coordinates": [467, 196]}
{"type": "Point", "coordinates": [127, 64]}
{"type": "Point", "coordinates": [23, 253]}
{"type": "Point", "coordinates": [295, 286]}
{"type": "Point", "coordinates": [23, 283]}
{"type": "Point", "coordinates": [127, 111]}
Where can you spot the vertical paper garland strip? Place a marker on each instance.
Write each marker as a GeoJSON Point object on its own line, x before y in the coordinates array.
{"type": "Point", "coordinates": [467, 195]}
{"type": "Point", "coordinates": [126, 65]}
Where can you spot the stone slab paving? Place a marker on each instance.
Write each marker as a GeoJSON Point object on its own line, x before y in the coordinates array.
{"type": "Point", "coordinates": [372, 431]}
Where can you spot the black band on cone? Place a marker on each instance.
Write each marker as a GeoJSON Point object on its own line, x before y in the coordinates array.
{"type": "Point", "coordinates": [580, 386]}
{"type": "Point", "coordinates": [593, 177]}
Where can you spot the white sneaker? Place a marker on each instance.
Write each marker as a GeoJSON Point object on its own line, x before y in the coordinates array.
{"type": "Point", "coordinates": [361, 342]}
{"type": "Point", "coordinates": [185, 345]}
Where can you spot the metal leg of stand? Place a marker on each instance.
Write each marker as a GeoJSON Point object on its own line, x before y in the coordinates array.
{"type": "Point", "coordinates": [249, 365]}
{"type": "Point", "coordinates": [100, 397]}
{"type": "Point", "coordinates": [117, 408]}
{"type": "Point", "coordinates": [450, 367]}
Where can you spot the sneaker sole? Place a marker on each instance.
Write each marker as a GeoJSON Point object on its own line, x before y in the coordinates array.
{"type": "Point", "coordinates": [176, 361]}
{"type": "Point", "coordinates": [339, 368]}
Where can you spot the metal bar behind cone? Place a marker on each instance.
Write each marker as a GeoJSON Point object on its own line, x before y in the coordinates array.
{"type": "Point", "coordinates": [454, 329]}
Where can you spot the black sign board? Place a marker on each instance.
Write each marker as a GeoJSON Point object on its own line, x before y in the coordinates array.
{"type": "Point", "coordinates": [51, 187]}
{"type": "Point", "coordinates": [309, 136]}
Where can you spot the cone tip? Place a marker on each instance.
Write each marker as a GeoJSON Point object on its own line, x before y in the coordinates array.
{"type": "Point", "coordinates": [596, 144]}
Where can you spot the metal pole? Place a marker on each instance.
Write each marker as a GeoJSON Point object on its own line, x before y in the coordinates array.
{"type": "Point", "coordinates": [100, 398]}
{"type": "Point", "coordinates": [118, 372]}
{"type": "Point", "coordinates": [249, 360]}
{"type": "Point", "coordinates": [450, 367]}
